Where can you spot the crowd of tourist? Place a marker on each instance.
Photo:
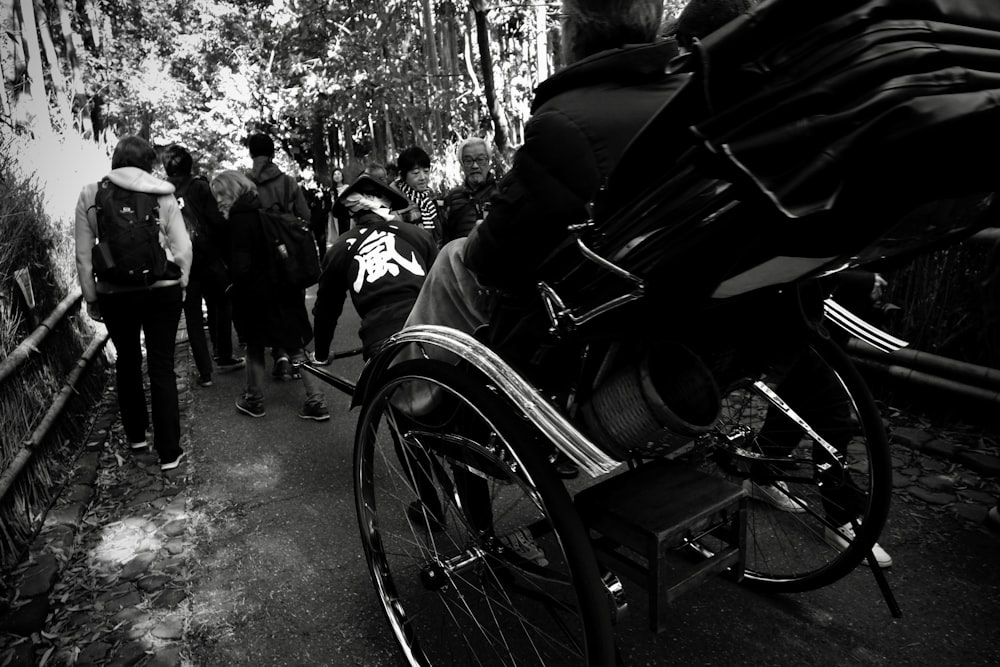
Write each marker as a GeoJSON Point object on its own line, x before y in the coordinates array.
{"type": "Point", "coordinates": [213, 236]}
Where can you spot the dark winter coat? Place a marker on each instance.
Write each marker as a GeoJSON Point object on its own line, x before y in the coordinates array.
{"type": "Point", "coordinates": [276, 188]}
{"type": "Point", "coordinates": [583, 117]}
{"type": "Point", "coordinates": [464, 206]}
{"type": "Point", "coordinates": [212, 242]}
{"type": "Point", "coordinates": [264, 313]}
{"type": "Point", "coordinates": [382, 266]}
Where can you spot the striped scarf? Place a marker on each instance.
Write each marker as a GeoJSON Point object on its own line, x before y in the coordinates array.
{"type": "Point", "coordinates": [428, 211]}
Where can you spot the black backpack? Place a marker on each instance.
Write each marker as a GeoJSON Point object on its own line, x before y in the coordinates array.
{"type": "Point", "coordinates": [128, 232]}
{"type": "Point", "coordinates": [201, 240]}
{"type": "Point", "coordinates": [294, 257]}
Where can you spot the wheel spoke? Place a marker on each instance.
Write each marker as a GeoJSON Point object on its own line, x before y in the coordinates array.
{"type": "Point", "coordinates": [807, 443]}
{"type": "Point", "coordinates": [439, 502]}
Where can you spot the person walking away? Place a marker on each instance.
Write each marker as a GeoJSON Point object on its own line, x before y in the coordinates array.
{"type": "Point", "coordinates": [467, 205]}
{"type": "Point", "coordinates": [320, 205]}
{"type": "Point", "coordinates": [414, 167]}
{"type": "Point", "coordinates": [268, 315]}
{"type": "Point", "coordinates": [133, 281]}
{"type": "Point", "coordinates": [276, 190]}
{"type": "Point", "coordinates": [209, 271]}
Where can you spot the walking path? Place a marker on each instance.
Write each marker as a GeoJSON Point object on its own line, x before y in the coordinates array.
{"type": "Point", "coordinates": [108, 578]}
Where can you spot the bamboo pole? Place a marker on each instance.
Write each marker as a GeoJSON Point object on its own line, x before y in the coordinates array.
{"type": "Point", "coordinates": [29, 346]}
{"type": "Point", "coordinates": [979, 376]}
{"type": "Point", "coordinates": [933, 381]}
{"type": "Point", "coordinates": [23, 456]}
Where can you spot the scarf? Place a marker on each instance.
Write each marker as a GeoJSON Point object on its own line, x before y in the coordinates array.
{"type": "Point", "coordinates": [428, 212]}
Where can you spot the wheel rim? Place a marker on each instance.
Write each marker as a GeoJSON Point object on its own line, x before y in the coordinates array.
{"type": "Point", "coordinates": [461, 596]}
{"type": "Point", "coordinates": [789, 550]}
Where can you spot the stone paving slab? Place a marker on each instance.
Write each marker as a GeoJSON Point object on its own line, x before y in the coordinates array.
{"type": "Point", "coordinates": [104, 581]}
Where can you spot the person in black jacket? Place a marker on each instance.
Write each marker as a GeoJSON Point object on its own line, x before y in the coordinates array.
{"type": "Point", "coordinates": [209, 270]}
{"type": "Point", "coordinates": [267, 313]}
{"type": "Point", "coordinates": [380, 262]}
{"type": "Point", "coordinates": [320, 204]}
{"type": "Point", "coordinates": [467, 205]}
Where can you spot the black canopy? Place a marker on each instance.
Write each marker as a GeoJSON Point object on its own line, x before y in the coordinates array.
{"type": "Point", "coordinates": [826, 133]}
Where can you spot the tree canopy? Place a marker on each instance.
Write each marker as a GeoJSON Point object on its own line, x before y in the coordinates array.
{"type": "Point", "coordinates": [336, 83]}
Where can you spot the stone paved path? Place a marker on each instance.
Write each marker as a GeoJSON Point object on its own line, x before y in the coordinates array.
{"type": "Point", "coordinates": [107, 580]}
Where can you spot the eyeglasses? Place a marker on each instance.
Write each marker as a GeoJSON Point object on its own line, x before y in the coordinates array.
{"type": "Point", "coordinates": [481, 160]}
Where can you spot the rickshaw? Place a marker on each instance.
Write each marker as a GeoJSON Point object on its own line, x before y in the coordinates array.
{"type": "Point", "coordinates": [686, 343]}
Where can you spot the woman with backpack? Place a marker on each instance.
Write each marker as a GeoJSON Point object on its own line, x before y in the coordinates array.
{"type": "Point", "coordinates": [133, 258]}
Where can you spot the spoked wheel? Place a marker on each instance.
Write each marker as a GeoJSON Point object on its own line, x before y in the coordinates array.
{"type": "Point", "coordinates": [807, 443]}
{"type": "Point", "coordinates": [473, 544]}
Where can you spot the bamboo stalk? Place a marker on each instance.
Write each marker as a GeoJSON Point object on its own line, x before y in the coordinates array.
{"type": "Point", "coordinates": [933, 381]}
{"type": "Point", "coordinates": [29, 345]}
{"type": "Point", "coordinates": [23, 456]}
{"type": "Point", "coordinates": [979, 376]}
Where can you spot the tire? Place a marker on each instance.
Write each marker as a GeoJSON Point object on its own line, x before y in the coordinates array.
{"type": "Point", "coordinates": [788, 551]}
{"type": "Point", "coordinates": [437, 497]}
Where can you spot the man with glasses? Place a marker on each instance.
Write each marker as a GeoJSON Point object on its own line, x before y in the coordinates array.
{"type": "Point", "coordinates": [467, 205]}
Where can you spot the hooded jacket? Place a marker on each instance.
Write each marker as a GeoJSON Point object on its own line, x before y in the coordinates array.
{"type": "Point", "coordinates": [276, 187]}
{"type": "Point", "coordinates": [173, 234]}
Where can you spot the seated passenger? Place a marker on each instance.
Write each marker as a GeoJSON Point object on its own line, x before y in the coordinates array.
{"type": "Point", "coordinates": [583, 118]}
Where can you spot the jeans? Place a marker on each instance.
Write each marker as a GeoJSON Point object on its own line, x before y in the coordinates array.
{"type": "Point", "coordinates": [154, 313]}
{"type": "Point", "coordinates": [450, 296]}
{"type": "Point", "coordinates": [196, 328]}
{"type": "Point", "coordinates": [220, 313]}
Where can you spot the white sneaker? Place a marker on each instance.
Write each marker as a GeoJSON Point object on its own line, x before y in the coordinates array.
{"type": "Point", "coordinates": [776, 495]}
{"type": "Point", "coordinates": [170, 465]}
{"type": "Point", "coordinates": [840, 538]}
{"type": "Point", "coordinates": [523, 545]}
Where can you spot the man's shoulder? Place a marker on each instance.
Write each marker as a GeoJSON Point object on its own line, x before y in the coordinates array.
{"type": "Point", "coordinates": [457, 194]}
{"type": "Point", "coordinates": [200, 183]}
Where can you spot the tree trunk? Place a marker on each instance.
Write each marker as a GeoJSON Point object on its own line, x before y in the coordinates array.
{"type": "Point", "coordinates": [12, 61]}
{"type": "Point", "coordinates": [433, 73]}
{"type": "Point", "coordinates": [501, 131]}
{"type": "Point", "coordinates": [321, 166]}
{"type": "Point", "coordinates": [59, 91]}
{"type": "Point", "coordinates": [34, 98]}
{"type": "Point", "coordinates": [349, 157]}
{"type": "Point", "coordinates": [541, 44]}
{"type": "Point", "coordinates": [6, 108]}
{"type": "Point", "coordinates": [333, 141]}
{"type": "Point", "coordinates": [470, 68]}
{"type": "Point", "coordinates": [69, 43]}
{"type": "Point", "coordinates": [87, 16]}
{"type": "Point", "coordinates": [390, 143]}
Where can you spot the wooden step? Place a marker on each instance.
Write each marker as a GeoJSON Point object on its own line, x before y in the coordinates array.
{"type": "Point", "coordinates": [656, 510]}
